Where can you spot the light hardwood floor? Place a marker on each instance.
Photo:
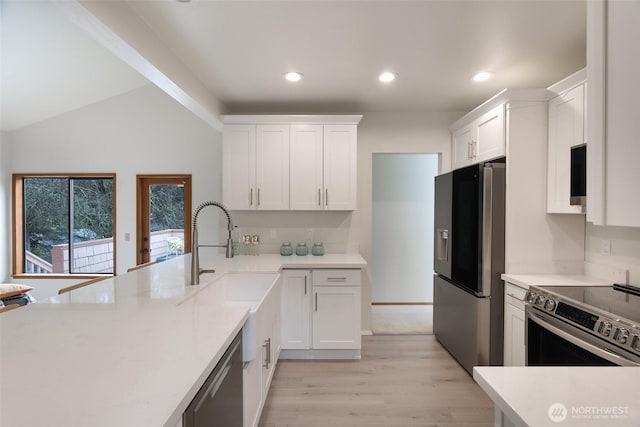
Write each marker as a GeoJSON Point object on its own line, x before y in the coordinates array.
{"type": "Point", "coordinates": [402, 380]}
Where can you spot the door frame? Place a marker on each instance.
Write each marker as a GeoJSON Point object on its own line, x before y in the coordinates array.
{"type": "Point", "coordinates": [142, 209]}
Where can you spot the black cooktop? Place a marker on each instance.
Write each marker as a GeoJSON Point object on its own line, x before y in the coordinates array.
{"type": "Point", "coordinates": [618, 303]}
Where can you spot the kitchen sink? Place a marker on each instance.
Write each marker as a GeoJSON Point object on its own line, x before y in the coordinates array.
{"type": "Point", "coordinates": [259, 293]}
{"type": "Point", "coordinates": [248, 289]}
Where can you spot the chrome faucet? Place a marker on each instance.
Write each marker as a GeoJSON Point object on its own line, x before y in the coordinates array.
{"type": "Point", "coordinates": [195, 254]}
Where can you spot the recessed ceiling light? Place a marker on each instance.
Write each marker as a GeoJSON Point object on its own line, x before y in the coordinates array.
{"type": "Point", "coordinates": [482, 76]}
{"type": "Point", "coordinates": [387, 77]}
{"type": "Point", "coordinates": [293, 76]}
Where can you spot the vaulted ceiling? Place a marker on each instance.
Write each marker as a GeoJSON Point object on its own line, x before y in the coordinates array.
{"type": "Point", "coordinates": [239, 50]}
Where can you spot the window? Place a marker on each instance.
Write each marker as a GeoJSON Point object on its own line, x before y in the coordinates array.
{"type": "Point", "coordinates": [64, 224]}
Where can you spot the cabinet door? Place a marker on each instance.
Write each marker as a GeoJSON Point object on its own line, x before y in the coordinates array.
{"type": "Point", "coordinates": [272, 167]}
{"type": "Point", "coordinates": [514, 326]}
{"type": "Point", "coordinates": [461, 144]}
{"type": "Point", "coordinates": [306, 186]}
{"type": "Point", "coordinates": [336, 317]}
{"type": "Point", "coordinates": [340, 163]}
{"type": "Point", "coordinates": [613, 66]}
{"type": "Point", "coordinates": [239, 166]}
{"type": "Point", "coordinates": [489, 142]}
{"type": "Point", "coordinates": [566, 130]}
{"type": "Point", "coordinates": [252, 392]}
{"type": "Point", "coordinates": [296, 306]}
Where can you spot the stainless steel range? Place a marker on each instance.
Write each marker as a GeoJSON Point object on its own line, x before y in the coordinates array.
{"type": "Point", "coordinates": [583, 326]}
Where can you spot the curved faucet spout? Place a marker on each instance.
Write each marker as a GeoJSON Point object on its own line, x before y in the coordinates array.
{"type": "Point", "coordinates": [195, 245]}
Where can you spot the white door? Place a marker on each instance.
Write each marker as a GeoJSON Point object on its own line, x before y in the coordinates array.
{"type": "Point", "coordinates": [340, 164]}
{"type": "Point", "coordinates": [272, 167]}
{"type": "Point", "coordinates": [296, 310]}
{"type": "Point", "coordinates": [336, 317]}
{"type": "Point", "coordinates": [306, 157]}
{"type": "Point", "coordinates": [239, 166]}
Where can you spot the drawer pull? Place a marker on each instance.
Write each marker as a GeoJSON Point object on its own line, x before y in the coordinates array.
{"type": "Point", "coordinates": [515, 297]}
{"type": "Point", "coordinates": [336, 279]}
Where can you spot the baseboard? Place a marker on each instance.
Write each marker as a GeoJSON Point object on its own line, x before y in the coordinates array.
{"type": "Point", "coordinates": [320, 354]}
{"type": "Point", "coordinates": [402, 303]}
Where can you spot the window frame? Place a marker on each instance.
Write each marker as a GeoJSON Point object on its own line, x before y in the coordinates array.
{"type": "Point", "coordinates": [17, 225]}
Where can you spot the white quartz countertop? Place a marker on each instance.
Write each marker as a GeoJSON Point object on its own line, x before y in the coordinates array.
{"type": "Point", "coordinates": [125, 351]}
{"type": "Point", "coordinates": [526, 280]}
{"type": "Point", "coordinates": [589, 396]}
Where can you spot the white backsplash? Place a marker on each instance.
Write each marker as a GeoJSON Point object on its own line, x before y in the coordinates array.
{"type": "Point", "coordinates": [624, 249]}
{"type": "Point", "coordinates": [334, 229]}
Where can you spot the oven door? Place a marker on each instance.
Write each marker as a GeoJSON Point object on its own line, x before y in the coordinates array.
{"type": "Point", "coordinates": [552, 342]}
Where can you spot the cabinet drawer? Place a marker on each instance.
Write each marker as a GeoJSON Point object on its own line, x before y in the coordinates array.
{"type": "Point", "coordinates": [338, 277]}
{"type": "Point", "coordinates": [514, 295]}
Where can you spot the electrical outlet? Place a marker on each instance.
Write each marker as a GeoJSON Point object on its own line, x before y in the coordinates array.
{"type": "Point", "coordinates": [127, 237]}
{"type": "Point", "coordinates": [309, 233]}
{"type": "Point", "coordinates": [605, 247]}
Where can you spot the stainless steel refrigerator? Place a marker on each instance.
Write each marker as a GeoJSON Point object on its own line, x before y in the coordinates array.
{"type": "Point", "coordinates": [468, 300]}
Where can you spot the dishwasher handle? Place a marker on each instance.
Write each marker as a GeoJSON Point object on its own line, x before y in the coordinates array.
{"type": "Point", "coordinates": [219, 378]}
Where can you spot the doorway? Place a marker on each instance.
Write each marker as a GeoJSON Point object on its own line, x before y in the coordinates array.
{"type": "Point", "coordinates": [402, 242]}
{"type": "Point", "coordinates": [163, 217]}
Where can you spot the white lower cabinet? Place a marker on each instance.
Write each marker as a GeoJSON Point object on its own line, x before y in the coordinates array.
{"type": "Point", "coordinates": [296, 309]}
{"type": "Point", "coordinates": [258, 372]}
{"type": "Point", "coordinates": [514, 325]}
{"type": "Point", "coordinates": [321, 314]}
{"type": "Point", "coordinates": [336, 317]}
{"type": "Point", "coordinates": [252, 389]}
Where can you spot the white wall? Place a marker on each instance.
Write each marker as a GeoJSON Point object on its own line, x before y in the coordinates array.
{"type": "Point", "coordinates": [403, 209]}
{"type": "Point", "coordinates": [535, 242]}
{"type": "Point", "coordinates": [5, 188]}
{"type": "Point", "coordinates": [140, 132]}
{"type": "Point", "coordinates": [625, 248]}
{"type": "Point", "coordinates": [392, 133]}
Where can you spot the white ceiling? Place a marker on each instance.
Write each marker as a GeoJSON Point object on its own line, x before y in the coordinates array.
{"type": "Point", "coordinates": [49, 66]}
{"type": "Point", "coordinates": [240, 49]}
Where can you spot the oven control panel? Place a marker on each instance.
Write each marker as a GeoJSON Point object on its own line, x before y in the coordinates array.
{"type": "Point", "coordinates": [618, 331]}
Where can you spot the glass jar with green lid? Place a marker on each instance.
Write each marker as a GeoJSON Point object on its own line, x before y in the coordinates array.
{"type": "Point", "coordinates": [317, 249]}
{"type": "Point", "coordinates": [286, 249]}
{"type": "Point", "coordinates": [302, 249]}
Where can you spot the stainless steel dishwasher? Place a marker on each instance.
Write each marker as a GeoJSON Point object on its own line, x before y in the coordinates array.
{"type": "Point", "coordinates": [219, 401]}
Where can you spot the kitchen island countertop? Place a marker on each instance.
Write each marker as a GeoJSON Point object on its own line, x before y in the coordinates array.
{"type": "Point", "coordinates": [563, 396]}
{"type": "Point", "coordinates": [125, 351]}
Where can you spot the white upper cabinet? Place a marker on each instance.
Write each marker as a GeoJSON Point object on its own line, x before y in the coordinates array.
{"type": "Point", "coordinates": [461, 146]}
{"type": "Point", "coordinates": [340, 163]}
{"type": "Point", "coordinates": [566, 130]}
{"type": "Point", "coordinates": [613, 102]}
{"type": "Point", "coordinates": [480, 140]}
{"type": "Point", "coordinates": [255, 167]}
{"type": "Point", "coordinates": [239, 166]}
{"type": "Point", "coordinates": [290, 162]}
{"type": "Point", "coordinates": [306, 183]}
{"type": "Point", "coordinates": [272, 167]}
{"type": "Point", "coordinates": [323, 167]}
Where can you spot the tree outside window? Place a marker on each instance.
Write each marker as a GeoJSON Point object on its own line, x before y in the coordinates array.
{"type": "Point", "coordinates": [67, 224]}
